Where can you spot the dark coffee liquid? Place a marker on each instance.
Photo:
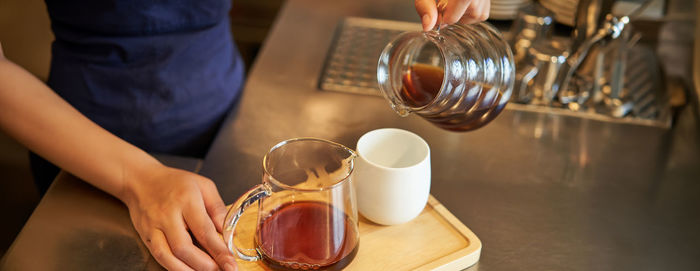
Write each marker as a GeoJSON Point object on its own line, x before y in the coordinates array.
{"type": "Point", "coordinates": [421, 84]}
{"type": "Point", "coordinates": [307, 235]}
{"type": "Point", "coordinates": [476, 106]}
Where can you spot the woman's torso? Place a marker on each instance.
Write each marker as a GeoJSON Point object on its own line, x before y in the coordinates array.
{"type": "Point", "coordinates": [159, 74]}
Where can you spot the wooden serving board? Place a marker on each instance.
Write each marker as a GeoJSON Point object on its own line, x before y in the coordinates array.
{"type": "Point", "coordinates": [435, 240]}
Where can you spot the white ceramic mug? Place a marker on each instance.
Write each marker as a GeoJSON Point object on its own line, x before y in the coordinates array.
{"type": "Point", "coordinates": [392, 175]}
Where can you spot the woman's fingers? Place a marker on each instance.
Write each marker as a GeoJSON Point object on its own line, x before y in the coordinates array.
{"type": "Point", "coordinates": [213, 203]}
{"type": "Point", "coordinates": [485, 10]}
{"type": "Point", "coordinates": [203, 229]}
{"type": "Point", "coordinates": [455, 10]}
{"type": "Point", "coordinates": [463, 11]}
{"type": "Point", "coordinates": [427, 10]}
{"type": "Point", "coordinates": [160, 250]}
{"type": "Point", "coordinates": [478, 11]}
{"type": "Point", "coordinates": [182, 247]}
{"type": "Point", "coordinates": [168, 204]}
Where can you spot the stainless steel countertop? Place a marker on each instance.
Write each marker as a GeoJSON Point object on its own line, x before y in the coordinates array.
{"type": "Point", "coordinates": [542, 191]}
{"type": "Point", "coordinates": [78, 227]}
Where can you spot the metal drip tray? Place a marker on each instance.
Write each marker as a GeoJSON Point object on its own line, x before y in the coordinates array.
{"type": "Point", "coordinates": [351, 67]}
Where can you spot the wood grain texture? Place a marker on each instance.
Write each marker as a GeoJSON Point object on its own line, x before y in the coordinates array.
{"type": "Point", "coordinates": [435, 240]}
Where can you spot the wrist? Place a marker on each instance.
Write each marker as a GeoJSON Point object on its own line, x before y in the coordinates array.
{"type": "Point", "coordinates": [135, 175]}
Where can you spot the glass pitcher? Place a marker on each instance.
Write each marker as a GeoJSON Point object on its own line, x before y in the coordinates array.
{"type": "Point", "coordinates": [307, 211]}
{"type": "Point", "coordinates": [459, 77]}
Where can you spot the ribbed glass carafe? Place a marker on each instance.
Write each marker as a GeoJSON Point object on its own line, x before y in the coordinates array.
{"type": "Point", "coordinates": [459, 78]}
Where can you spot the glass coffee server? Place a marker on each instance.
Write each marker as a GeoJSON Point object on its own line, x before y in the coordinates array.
{"type": "Point", "coordinates": [458, 77]}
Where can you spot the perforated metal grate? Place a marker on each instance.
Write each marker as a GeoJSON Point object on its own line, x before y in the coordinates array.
{"type": "Point", "coordinates": [351, 64]}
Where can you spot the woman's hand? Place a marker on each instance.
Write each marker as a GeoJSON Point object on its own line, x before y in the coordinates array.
{"type": "Point", "coordinates": [164, 203]}
{"type": "Point", "coordinates": [167, 203]}
{"type": "Point", "coordinates": [463, 11]}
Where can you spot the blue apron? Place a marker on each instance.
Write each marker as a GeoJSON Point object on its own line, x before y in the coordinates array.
{"type": "Point", "coordinates": [159, 74]}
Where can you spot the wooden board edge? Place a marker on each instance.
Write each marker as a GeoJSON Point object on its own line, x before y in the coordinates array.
{"type": "Point", "coordinates": [459, 259]}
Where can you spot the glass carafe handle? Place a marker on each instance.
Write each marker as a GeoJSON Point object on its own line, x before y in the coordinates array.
{"type": "Point", "coordinates": [257, 193]}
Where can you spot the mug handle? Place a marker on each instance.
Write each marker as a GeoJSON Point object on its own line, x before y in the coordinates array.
{"type": "Point", "coordinates": [257, 193]}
